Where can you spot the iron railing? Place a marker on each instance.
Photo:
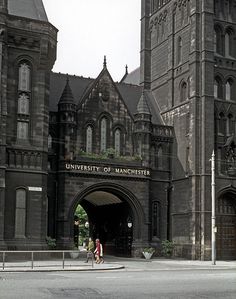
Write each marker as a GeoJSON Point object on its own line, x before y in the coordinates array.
{"type": "Point", "coordinates": [44, 258]}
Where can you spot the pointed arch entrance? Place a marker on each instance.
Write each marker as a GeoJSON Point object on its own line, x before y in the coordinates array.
{"type": "Point", "coordinates": [226, 226]}
{"type": "Point", "coordinates": [114, 214]}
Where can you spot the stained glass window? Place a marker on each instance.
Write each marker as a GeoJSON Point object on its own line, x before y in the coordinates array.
{"type": "Point", "coordinates": [117, 141]}
{"type": "Point", "coordinates": [103, 134]}
{"type": "Point", "coordinates": [89, 138]}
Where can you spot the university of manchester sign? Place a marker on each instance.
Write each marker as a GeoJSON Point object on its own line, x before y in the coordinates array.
{"type": "Point", "coordinates": [107, 169]}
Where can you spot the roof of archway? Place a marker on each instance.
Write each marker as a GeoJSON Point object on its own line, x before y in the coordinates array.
{"type": "Point", "coordinates": [101, 198]}
{"type": "Point", "coordinates": [79, 85]}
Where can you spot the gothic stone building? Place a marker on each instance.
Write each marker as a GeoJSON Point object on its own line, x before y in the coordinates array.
{"type": "Point", "coordinates": [134, 156]}
{"type": "Point", "coordinates": [188, 61]}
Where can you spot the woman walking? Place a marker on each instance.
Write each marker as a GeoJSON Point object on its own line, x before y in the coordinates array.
{"type": "Point", "coordinates": [98, 252]}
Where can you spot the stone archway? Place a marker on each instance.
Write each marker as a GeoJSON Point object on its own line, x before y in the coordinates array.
{"type": "Point", "coordinates": [226, 226]}
{"type": "Point", "coordinates": [111, 208]}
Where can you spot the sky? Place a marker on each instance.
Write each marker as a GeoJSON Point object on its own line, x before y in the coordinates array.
{"type": "Point", "coordinates": [90, 29]}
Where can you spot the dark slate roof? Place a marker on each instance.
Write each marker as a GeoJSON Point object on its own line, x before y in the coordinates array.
{"type": "Point", "coordinates": [131, 94]}
{"type": "Point", "coordinates": [67, 96]}
{"type": "Point", "coordinates": [133, 77]}
{"type": "Point", "coordinates": [154, 108]}
{"type": "Point", "coordinates": [142, 106]}
{"type": "Point", "coordinates": [32, 9]}
{"type": "Point", "coordinates": [57, 84]}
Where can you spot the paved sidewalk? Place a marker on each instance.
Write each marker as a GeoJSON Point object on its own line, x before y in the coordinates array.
{"type": "Point", "coordinates": [114, 263]}
{"type": "Point", "coordinates": [58, 265]}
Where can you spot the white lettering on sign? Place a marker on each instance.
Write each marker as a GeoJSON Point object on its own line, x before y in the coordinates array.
{"type": "Point", "coordinates": [110, 170]}
{"type": "Point", "coordinates": [36, 189]}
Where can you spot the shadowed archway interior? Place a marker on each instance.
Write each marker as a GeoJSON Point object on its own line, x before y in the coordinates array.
{"type": "Point", "coordinates": [108, 216]}
{"type": "Point", "coordinates": [226, 226]}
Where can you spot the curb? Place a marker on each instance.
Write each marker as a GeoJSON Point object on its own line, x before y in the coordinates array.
{"type": "Point", "coordinates": [67, 269]}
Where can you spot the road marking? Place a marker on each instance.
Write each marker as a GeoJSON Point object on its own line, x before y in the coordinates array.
{"type": "Point", "coordinates": [112, 277]}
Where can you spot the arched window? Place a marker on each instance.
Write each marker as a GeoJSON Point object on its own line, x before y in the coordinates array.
{"type": "Point", "coordinates": [24, 77]}
{"type": "Point", "coordinates": [222, 7]}
{"type": "Point", "coordinates": [20, 213]}
{"type": "Point", "coordinates": [179, 50]}
{"type": "Point", "coordinates": [162, 28]}
{"type": "Point", "coordinates": [154, 4]}
{"type": "Point", "coordinates": [117, 141]}
{"type": "Point", "coordinates": [229, 43]}
{"type": "Point", "coordinates": [49, 141]}
{"type": "Point", "coordinates": [183, 92]}
{"type": "Point", "coordinates": [228, 90]}
{"type": "Point", "coordinates": [187, 167]}
{"type": "Point", "coordinates": [218, 40]}
{"type": "Point", "coordinates": [216, 9]}
{"type": "Point", "coordinates": [182, 13]}
{"type": "Point", "coordinates": [103, 141]}
{"type": "Point", "coordinates": [218, 88]}
{"type": "Point", "coordinates": [156, 219]}
{"type": "Point", "coordinates": [219, 157]}
{"type": "Point", "coordinates": [221, 125]}
{"type": "Point", "coordinates": [153, 157]}
{"type": "Point", "coordinates": [230, 9]}
{"type": "Point", "coordinates": [230, 125]}
{"type": "Point", "coordinates": [23, 104]}
{"type": "Point", "coordinates": [160, 157]}
{"type": "Point", "coordinates": [215, 42]}
{"type": "Point", "coordinates": [188, 11]}
{"type": "Point", "coordinates": [89, 139]}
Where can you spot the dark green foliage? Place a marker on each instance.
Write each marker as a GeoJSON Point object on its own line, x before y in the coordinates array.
{"type": "Point", "coordinates": [167, 247]}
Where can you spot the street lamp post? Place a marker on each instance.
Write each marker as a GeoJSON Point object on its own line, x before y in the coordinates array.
{"type": "Point", "coordinates": [213, 216]}
{"type": "Point", "coordinates": [87, 226]}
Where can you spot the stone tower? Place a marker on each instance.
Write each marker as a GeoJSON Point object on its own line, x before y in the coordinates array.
{"type": "Point", "coordinates": [3, 13]}
{"type": "Point", "coordinates": [67, 120]}
{"type": "Point", "coordinates": [188, 56]}
{"type": "Point", "coordinates": [27, 54]}
{"type": "Point", "coordinates": [142, 129]}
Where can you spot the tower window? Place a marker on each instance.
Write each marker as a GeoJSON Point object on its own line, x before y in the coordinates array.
{"type": "Point", "coordinates": [49, 141]}
{"type": "Point", "coordinates": [228, 43]}
{"type": "Point", "coordinates": [22, 130]}
{"type": "Point", "coordinates": [153, 157]}
{"type": "Point", "coordinates": [24, 77]}
{"type": "Point", "coordinates": [228, 90]}
{"type": "Point", "coordinates": [183, 92]}
{"type": "Point", "coordinates": [218, 88]}
{"type": "Point", "coordinates": [230, 8]}
{"type": "Point", "coordinates": [23, 104]}
{"type": "Point", "coordinates": [221, 125]}
{"type": "Point", "coordinates": [218, 43]}
{"type": "Point", "coordinates": [159, 158]}
{"type": "Point", "coordinates": [230, 125]}
{"type": "Point", "coordinates": [179, 50]}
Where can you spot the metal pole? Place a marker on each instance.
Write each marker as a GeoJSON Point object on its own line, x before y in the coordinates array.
{"type": "Point", "coordinates": [213, 216]}
{"type": "Point", "coordinates": [3, 260]}
{"type": "Point", "coordinates": [63, 259]}
{"type": "Point", "coordinates": [32, 260]}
